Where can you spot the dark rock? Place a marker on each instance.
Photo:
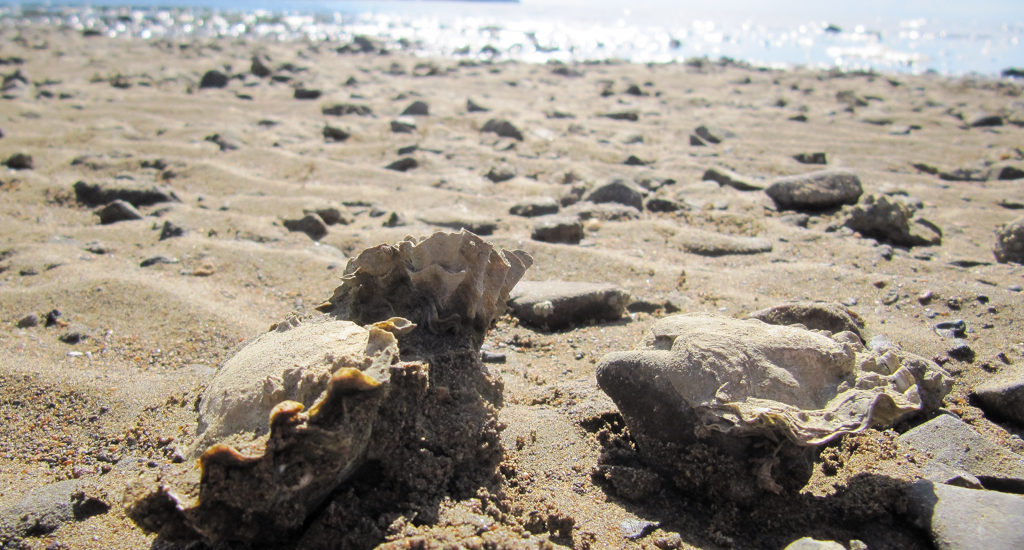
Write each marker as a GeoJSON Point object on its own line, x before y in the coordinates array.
{"type": "Point", "coordinates": [118, 211]}
{"type": "Point", "coordinates": [537, 206]}
{"type": "Point", "coordinates": [891, 221]}
{"type": "Point", "coordinates": [394, 220]}
{"type": "Point", "coordinates": [171, 230]}
{"type": "Point", "coordinates": [951, 329]}
{"type": "Point", "coordinates": [1002, 397]}
{"type": "Point", "coordinates": [306, 93]}
{"type": "Point", "coordinates": [955, 444]}
{"type": "Point", "coordinates": [74, 336]}
{"type": "Point", "coordinates": [851, 99]}
{"type": "Point", "coordinates": [713, 135]}
{"type": "Point", "coordinates": [310, 224]}
{"type": "Point", "coordinates": [634, 160]}
{"type": "Point", "coordinates": [154, 260]}
{"type": "Point", "coordinates": [961, 351]}
{"type": "Point", "coordinates": [225, 142]}
{"type": "Point", "coordinates": [451, 219]}
{"type": "Point", "coordinates": [564, 70]}
{"type": "Point", "coordinates": [408, 150]}
{"type": "Point", "coordinates": [503, 128]}
{"type": "Point", "coordinates": [43, 510]}
{"type": "Point", "coordinates": [340, 109]}
{"type": "Point", "coordinates": [631, 116]}
{"type": "Point", "coordinates": [658, 204]}
{"type": "Point", "coordinates": [19, 161]}
{"type": "Point", "coordinates": [696, 141]}
{"type": "Point", "coordinates": [815, 191]}
{"type": "Point", "coordinates": [403, 164]}
{"type": "Point", "coordinates": [258, 67]}
{"type": "Point", "coordinates": [330, 215]}
{"type": "Point", "coordinates": [986, 119]}
{"type": "Point", "coordinates": [966, 174]}
{"type": "Point", "coordinates": [618, 191]}
{"type": "Point", "coordinates": [416, 108]}
{"type": "Point", "coordinates": [361, 44]}
{"type": "Point", "coordinates": [798, 118]}
{"type": "Point", "coordinates": [830, 316]}
{"type": "Point", "coordinates": [98, 194]}
{"type": "Point", "coordinates": [28, 321]}
{"type": "Point", "coordinates": [636, 90]}
{"type": "Point", "coordinates": [492, 357]}
{"type": "Point", "coordinates": [52, 318]}
{"type": "Point", "coordinates": [564, 230]}
{"type": "Point", "coordinates": [811, 158]}
{"type": "Point", "coordinates": [1010, 173]}
{"type": "Point", "coordinates": [724, 176]}
{"type": "Point", "coordinates": [500, 174]}
{"type": "Point", "coordinates": [1009, 245]}
{"type": "Point", "coordinates": [474, 107]}
{"type": "Point", "coordinates": [556, 305]}
{"type": "Point", "coordinates": [709, 243]}
{"type": "Point", "coordinates": [333, 134]}
{"type": "Point", "coordinates": [213, 79]}
{"type": "Point", "coordinates": [403, 127]}
{"type": "Point", "coordinates": [961, 519]}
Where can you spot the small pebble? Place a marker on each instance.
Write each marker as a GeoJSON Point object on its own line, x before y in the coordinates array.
{"type": "Point", "coordinates": [925, 297]}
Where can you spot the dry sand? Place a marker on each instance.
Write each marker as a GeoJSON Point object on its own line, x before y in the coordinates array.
{"type": "Point", "coordinates": [119, 112]}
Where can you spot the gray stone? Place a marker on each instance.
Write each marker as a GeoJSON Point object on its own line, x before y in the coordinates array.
{"type": "Point", "coordinates": [556, 305]}
{"type": "Point", "coordinates": [536, 206]}
{"type": "Point", "coordinates": [712, 135]}
{"type": "Point", "coordinates": [986, 119]}
{"type": "Point", "coordinates": [631, 116]}
{"type": "Point", "coordinates": [957, 445]}
{"type": "Point", "coordinates": [503, 128]}
{"type": "Point", "coordinates": [301, 92]}
{"type": "Point", "coordinates": [829, 316]}
{"type": "Point", "coordinates": [403, 126]}
{"type": "Point", "coordinates": [333, 134]}
{"type": "Point", "coordinates": [213, 79]}
{"type": "Point", "coordinates": [417, 108]}
{"type": "Point", "coordinates": [118, 211]}
{"type": "Point", "coordinates": [618, 191]}
{"type": "Point", "coordinates": [403, 164]}
{"type": "Point", "coordinates": [330, 215]}
{"type": "Point", "coordinates": [1009, 245]}
{"type": "Point", "coordinates": [727, 177]}
{"type": "Point", "coordinates": [709, 243]}
{"type": "Point", "coordinates": [891, 221]}
{"type": "Point", "coordinates": [1002, 397]}
{"type": "Point", "coordinates": [850, 99]}
{"type": "Point", "coordinates": [1010, 173]}
{"type": "Point", "coordinates": [259, 67]}
{"type": "Point", "coordinates": [474, 107]}
{"type": "Point", "coordinates": [19, 161]}
{"type": "Point", "coordinates": [310, 224]}
{"type": "Point", "coordinates": [498, 174]}
{"type": "Point", "coordinates": [339, 109]}
{"type": "Point", "coordinates": [43, 510]}
{"type": "Point", "coordinates": [808, 543]}
{"type": "Point", "coordinates": [154, 260]}
{"type": "Point", "coordinates": [558, 229]}
{"type": "Point", "coordinates": [815, 191]}
{"type": "Point", "coordinates": [817, 157]}
{"type": "Point", "coordinates": [91, 194]}
{"type": "Point", "coordinates": [660, 204]}
{"type": "Point", "coordinates": [966, 174]}
{"type": "Point", "coordinates": [966, 519]}
{"type": "Point", "coordinates": [224, 141]}
{"type": "Point", "coordinates": [604, 211]}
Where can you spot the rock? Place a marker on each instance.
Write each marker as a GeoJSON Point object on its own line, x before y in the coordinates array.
{"type": "Point", "coordinates": [225, 142]}
{"type": "Point", "coordinates": [498, 174]}
{"type": "Point", "coordinates": [503, 128]}
{"type": "Point", "coordinates": [330, 215]}
{"type": "Point", "coordinates": [986, 119]}
{"type": "Point", "coordinates": [604, 211]}
{"type": "Point", "coordinates": [713, 135]}
{"type": "Point", "coordinates": [1002, 397]}
{"type": "Point", "coordinates": [955, 444]}
{"type": "Point", "coordinates": [659, 204]}
{"type": "Point", "coordinates": [798, 118]}
{"type": "Point", "coordinates": [702, 393]}
{"type": "Point", "coordinates": [118, 211]}
{"type": "Point", "coordinates": [815, 191]}
{"type": "Point", "coordinates": [724, 176]}
{"type": "Point", "coordinates": [709, 243]}
{"type": "Point", "coordinates": [808, 543]}
{"type": "Point", "coordinates": [811, 158]}
{"type": "Point", "coordinates": [618, 191]}
{"type": "Point", "coordinates": [634, 160]}
{"type": "Point", "coordinates": [891, 221]}
{"type": "Point", "coordinates": [1007, 173]}
{"type": "Point", "coordinates": [44, 509]}
{"type": "Point", "coordinates": [535, 206]}
{"type": "Point", "coordinates": [304, 93]}
{"type": "Point", "coordinates": [558, 230]}
{"type": "Point", "coordinates": [1009, 245]}
{"type": "Point", "coordinates": [339, 109]}
{"type": "Point", "coordinates": [28, 321]}
{"type": "Point", "coordinates": [452, 219]}
{"type": "Point", "coordinates": [53, 318]}
{"type": "Point", "coordinates": [99, 194]}
{"type": "Point", "coordinates": [696, 141]}
{"type": "Point", "coordinates": [213, 79]}
{"type": "Point", "coordinates": [951, 329]}
{"type": "Point", "coordinates": [829, 316]}
{"type": "Point", "coordinates": [474, 107]}
{"type": "Point", "coordinates": [403, 164]}
{"type": "Point", "coordinates": [631, 116]}
{"type": "Point", "coordinates": [965, 174]}
{"type": "Point", "coordinates": [403, 126]}
{"type": "Point", "coordinates": [333, 134]}
{"type": "Point", "coordinates": [310, 224]}
{"type": "Point", "coordinates": [850, 99]}
{"type": "Point", "coordinates": [636, 529]}
{"type": "Point", "coordinates": [259, 68]}
{"type": "Point", "coordinates": [556, 305]}
{"type": "Point", "coordinates": [417, 108]}
{"type": "Point", "coordinates": [962, 519]}
{"type": "Point", "coordinates": [19, 161]}
{"type": "Point", "coordinates": [154, 260]}
{"type": "Point", "coordinates": [171, 230]}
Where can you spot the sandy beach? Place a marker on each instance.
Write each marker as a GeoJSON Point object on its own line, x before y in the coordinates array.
{"type": "Point", "coordinates": [272, 174]}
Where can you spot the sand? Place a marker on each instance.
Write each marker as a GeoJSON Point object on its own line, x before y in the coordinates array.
{"type": "Point", "coordinates": [121, 112]}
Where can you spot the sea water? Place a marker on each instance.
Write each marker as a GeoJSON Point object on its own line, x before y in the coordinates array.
{"type": "Point", "coordinates": [914, 36]}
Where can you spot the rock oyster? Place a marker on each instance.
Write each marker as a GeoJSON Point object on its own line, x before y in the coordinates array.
{"type": "Point", "coordinates": [318, 430]}
{"type": "Point", "coordinates": [757, 398]}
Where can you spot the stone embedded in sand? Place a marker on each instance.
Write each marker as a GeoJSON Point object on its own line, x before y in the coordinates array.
{"type": "Point", "coordinates": [535, 206]}
{"type": "Point", "coordinates": [815, 191]}
{"type": "Point", "coordinates": [958, 518]}
{"type": "Point", "coordinates": [558, 229]}
{"type": "Point", "coordinates": [829, 316]}
{"type": "Point", "coordinates": [213, 79]}
{"type": "Point", "coordinates": [417, 108]}
{"type": "Point", "coordinates": [618, 191]}
{"type": "Point", "coordinates": [310, 224]}
{"type": "Point", "coordinates": [710, 243]}
{"type": "Point", "coordinates": [118, 211]}
{"type": "Point", "coordinates": [891, 221]}
{"type": "Point", "coordinates": [97, 194]}
{"type": "Point", "coordinates": [19, 161]}
{"type": "Point", "coordinates": [758, 395]}
{"type": "Point", "coordinates": [724, 176]}
{"type": "Point", "coordinates": [503, 128]}
{"type": "Point", "coordinates": [1002, 397]}
{"type": "Point", "coordinates": [556, 305]}
{"type": "Point", "coordinates": [1009, 245]}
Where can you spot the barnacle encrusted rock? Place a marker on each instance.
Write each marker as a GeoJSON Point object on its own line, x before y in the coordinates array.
{"type": "Point", "coordinates": [321, 431]}
{"type": "Point", "coordinates": [760, 397]}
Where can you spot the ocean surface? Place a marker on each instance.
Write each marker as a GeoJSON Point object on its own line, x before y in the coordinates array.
{"type": "Point", "coordinates": [913, 36]}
